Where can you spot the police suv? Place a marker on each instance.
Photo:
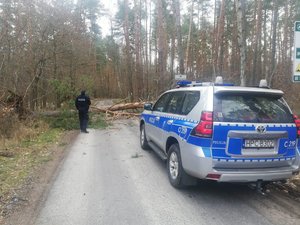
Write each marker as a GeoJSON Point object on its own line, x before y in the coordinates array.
{"type": "Point", "coordinates": [222, 132]}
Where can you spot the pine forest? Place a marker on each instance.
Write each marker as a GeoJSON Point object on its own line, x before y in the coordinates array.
{"type": "Point", "coordinates": [52, 49]}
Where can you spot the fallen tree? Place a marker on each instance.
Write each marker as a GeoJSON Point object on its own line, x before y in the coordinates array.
{"type": "Point", "coordinates": [117, 110]}
{"type": "Point", "coordinates": [115, 113]}
{"type": "Point", "coordinates": [125, 106]}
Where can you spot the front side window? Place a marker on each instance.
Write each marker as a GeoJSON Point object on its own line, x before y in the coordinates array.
{"type": "Point", "coordinates": [252, 109]}
{"type": "Point", "coordinates": [160, 105]}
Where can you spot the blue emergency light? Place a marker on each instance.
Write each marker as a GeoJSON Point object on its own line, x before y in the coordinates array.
{"type": "Point", "coordinates": [225, 84]}
{"type": "Point", "coordinates": [183, 83]}
{"type": "Point", "coordinates": [187, 83]}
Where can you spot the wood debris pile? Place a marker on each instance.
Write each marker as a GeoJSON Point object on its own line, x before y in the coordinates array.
{"type": "Point", "coordinates": [291, 187]}
{"type": "Point", "coordinates": [10, 103]}
{"type": "Point", "coordinates": [11, 111]}
{"type": "Point", "coordinates": [121, 110]}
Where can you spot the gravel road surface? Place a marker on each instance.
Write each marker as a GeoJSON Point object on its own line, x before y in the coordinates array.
{"type": "Point", "coordinates": [108, 179]}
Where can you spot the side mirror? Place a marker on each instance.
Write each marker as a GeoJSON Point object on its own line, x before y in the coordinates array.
{"type": "Point", "coordinates": [148, 106]}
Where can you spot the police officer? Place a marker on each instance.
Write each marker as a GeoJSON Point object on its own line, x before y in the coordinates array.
{"type": "Point", "coordinates": [82, 104]}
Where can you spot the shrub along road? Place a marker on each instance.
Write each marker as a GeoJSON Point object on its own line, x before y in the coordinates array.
{"type": "Point", "coordinates": [107, 179]}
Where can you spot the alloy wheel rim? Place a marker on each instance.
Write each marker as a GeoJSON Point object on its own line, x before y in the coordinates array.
{"type": "Point", "coordinates": [142, 136]}
{"type": "Point", "coordinates": [173, 165]}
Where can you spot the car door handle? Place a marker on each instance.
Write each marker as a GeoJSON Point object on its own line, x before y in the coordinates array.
{"type": "Point", "coordinates": [169, 122]}
{"type": "Point", "coordinates": [157, 118]}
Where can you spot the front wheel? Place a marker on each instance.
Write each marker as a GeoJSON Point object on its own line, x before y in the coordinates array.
{"type": "Point", "coordinates": [143, 139]}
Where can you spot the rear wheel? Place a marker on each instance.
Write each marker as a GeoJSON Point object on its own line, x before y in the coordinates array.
{"type": "Point", "coordinates": [176, 174]}
{"type": "Point", "coordinates": [143, 139]}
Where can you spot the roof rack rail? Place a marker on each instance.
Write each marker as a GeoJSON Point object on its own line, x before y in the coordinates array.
{"type": "Point", "coordinates": [219, 80]}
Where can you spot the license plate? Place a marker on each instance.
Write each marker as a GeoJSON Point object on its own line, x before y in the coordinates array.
{"type": "Point", "coordinates": [258, 143]}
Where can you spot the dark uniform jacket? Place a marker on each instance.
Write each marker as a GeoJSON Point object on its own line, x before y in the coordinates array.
{"type": "Point", "coordinates": [82, 102]}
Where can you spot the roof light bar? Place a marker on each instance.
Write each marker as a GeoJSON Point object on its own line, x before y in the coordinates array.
{"type": "Point", "coordinates": [187, 83]}
{"type": "Point", "coordinates": [183, 83]}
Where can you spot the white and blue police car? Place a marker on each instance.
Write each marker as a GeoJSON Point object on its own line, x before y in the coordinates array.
{"type": "Point", "coordinates": [222, 132]}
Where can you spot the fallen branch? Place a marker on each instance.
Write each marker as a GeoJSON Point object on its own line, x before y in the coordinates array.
{"type": "Point", "coordinates": [114, 113]}
{"type": "Point", "coordinates": [6, 154]}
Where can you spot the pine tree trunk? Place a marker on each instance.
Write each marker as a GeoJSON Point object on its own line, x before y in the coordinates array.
{"type": "Point", "coordinates": [220, 39]}
{"type": "Point", "coordinates": [257, 45]}
{"type": "Point", "coordinates": [176, 8]}
{"type": "Point", "coordinates": [127, 52]}
{"type": "Point", "coordinates": [187, 55]}
{"type": "Point", "coordinates": [241, 39]}
{"type": "Point", "coordinates": [138, 60]}
{"type": "Point", "coordinates": [162, 45]}
{"type": "Point", "coordinates": [274, 42]}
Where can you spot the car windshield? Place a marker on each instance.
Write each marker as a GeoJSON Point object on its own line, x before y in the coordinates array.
{"type": "Point", "coordinates": [252, 109]}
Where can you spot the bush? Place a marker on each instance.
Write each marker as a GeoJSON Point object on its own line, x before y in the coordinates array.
{"type": "Point", "coordinates": [63, 90]}
{"type": "Point", "coordinates": [66, 120]}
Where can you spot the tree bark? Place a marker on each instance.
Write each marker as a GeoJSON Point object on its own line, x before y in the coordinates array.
{"type": "Point", "coordinates": [138, 59]}
{"type": "Point", "coordinates": [274, 42]}
{"type": "Point", "coordinates": [176, 9]}
{"type": "Point", "coordinates": [162, 45]}
{"type": "Point", "coordinates": [220, 39]}
{"type": "Point", "coordinates": [257, 45]}
{"type": "Point", "coordinates": [187, 55]}
{"type": "Point", "coordinates": [240, 4]}
{"type": "Point", "coordinates": [127, 52]}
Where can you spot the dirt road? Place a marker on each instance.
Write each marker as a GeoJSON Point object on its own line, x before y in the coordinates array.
{"type": "Point", "coordinates": [108, 179]}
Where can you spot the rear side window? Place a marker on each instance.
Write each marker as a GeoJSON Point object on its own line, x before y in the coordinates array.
{"type": "Point", "coordinates": [252, 109]}
{"type": "Point", "coordinates": [190, 100]}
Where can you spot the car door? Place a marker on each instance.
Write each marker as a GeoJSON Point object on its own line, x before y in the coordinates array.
{"type": "Point", "coordinates": [173, 110]}
{"type": "Point", "coordinates": [153, 122]}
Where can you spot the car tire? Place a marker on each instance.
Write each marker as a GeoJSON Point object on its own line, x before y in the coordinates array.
{"type": "Point", "coordinates": [143, 138]}
{"type": "Point", "coordinates": [177, 175]}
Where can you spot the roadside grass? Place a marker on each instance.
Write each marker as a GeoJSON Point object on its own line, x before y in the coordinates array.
{"type": "Point", "coordinates": [68, 120]}
{"type": "Point", "coordinates": [27, 150]}
{"type": "Point", "coordinates": [30, 146]}
{"type": "Point", "coordinates": [97, 121]}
